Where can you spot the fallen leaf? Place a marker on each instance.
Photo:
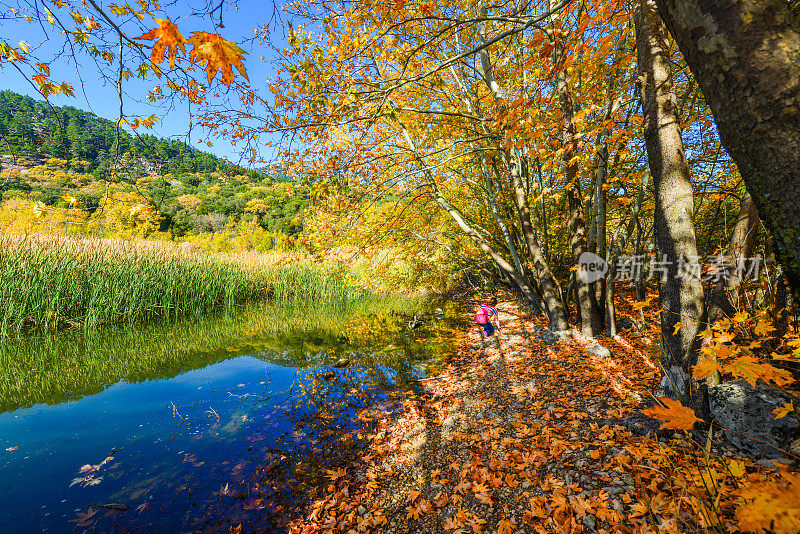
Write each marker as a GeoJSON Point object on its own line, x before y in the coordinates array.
{"type": "Point", "coordinates": [783, 411]}
{"type": "Point", "coordinates": [675, 415]}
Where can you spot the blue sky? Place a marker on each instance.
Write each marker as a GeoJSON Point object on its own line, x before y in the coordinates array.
{"type": "Point", "coordinates": [100, 97]}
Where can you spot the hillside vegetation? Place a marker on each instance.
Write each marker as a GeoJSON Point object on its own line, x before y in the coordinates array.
{"type": "Point", "coordinates": [57, 178]}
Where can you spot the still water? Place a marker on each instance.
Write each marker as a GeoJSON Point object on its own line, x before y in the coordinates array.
{"type": "Point", "coordinates": [197, 425]}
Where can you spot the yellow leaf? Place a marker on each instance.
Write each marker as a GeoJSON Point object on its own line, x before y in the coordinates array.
{"type": "Point", "coordinates": [741, 317]}
{"type": "Point", "coordinates": [674, 414]}
{"type": "Point", "coordinates": [678, 326]}
{"type": "Point", "coordinates": [751, 370]}
{"type": "Point", "coordinates": [763, 328]}
{"type": "Point", "coordinates": [783, 411]}
{"type": "Point", "coordinates": [736, 468]}
{"type": "Point", "coordinates": [215, 53]}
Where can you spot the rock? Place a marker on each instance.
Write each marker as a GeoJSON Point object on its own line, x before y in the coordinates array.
{"type": "Point", "coordinates": [767, 463]}
{"type": "Point", "coordinates": [794, 447]}
{"type": "Point", "coordinates": [589, 521]}
{"type": "Point", "coordinates": [361, 510]}
{"type": "Point", "coordinates": [526, 484]}
{"type": "Point", "coordinates": [548, 338]}
{"type": "Point", "coordinates": [626, 323]}
{"type": "Point", "coordinates": [341, 364]}
{"type": "Point", "coordinates": [639, 424]}
{"type": "Point", "coordinates": [599, 350]}
{"type": "Point", "coordinates": [438, 311]}
{"type": "Point", "coordinates": [449, 423]}
{"type": "Point", "coordinates": [740, 407]}
{"type": "Point", "coordinates": [328, 375]}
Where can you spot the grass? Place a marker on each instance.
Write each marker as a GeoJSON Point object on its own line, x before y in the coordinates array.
{"type": "Point", "coordinates": [48, 281]}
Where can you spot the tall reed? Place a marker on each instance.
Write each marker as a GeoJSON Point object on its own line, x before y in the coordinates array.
{"type": "Point", "coordinates": [49, 281]}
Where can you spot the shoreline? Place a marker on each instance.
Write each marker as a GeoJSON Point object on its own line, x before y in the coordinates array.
{"type": "Point", "coordinates": [516, 437]}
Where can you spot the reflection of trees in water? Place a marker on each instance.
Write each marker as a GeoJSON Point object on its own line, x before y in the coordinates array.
{"type": "Point", "coordinates": [326, 424]}
{"type": "Point", "coordinates": [57, 366]}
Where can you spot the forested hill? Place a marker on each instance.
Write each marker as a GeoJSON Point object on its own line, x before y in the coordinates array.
{"type": "Point", "coordinates": [33, 130]}
{"type": "Point", "coordinates": [55, 180]}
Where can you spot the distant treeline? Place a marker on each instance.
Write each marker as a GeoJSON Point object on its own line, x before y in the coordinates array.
{"type": "Point", "coordinates": [33, 130]}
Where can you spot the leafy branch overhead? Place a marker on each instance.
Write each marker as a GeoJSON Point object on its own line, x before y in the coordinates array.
{"type": "Point", "coordinates": [209, 50]}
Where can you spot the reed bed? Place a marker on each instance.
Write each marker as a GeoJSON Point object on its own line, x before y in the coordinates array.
{"type": "Point", "coordinates": [47, 281]}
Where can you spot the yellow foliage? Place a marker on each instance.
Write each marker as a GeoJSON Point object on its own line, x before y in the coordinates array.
{"type": "Point", "coordinates": [189, 202]}
{"type": "Point", "coordinates": [771, 506]}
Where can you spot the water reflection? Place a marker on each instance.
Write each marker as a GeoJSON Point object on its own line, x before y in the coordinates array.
{"type": "Point", "coordinates": [198, 424]}
{"type": "Point", "coordinates": [53, 367]}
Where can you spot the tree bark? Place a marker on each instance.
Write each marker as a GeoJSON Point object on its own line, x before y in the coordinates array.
{"type": "Point", "coordinates": [680, 290]}
{"type": "Point", "coordinates": [551, 291]}
{"type": "Point", "coordinates": [723, 299]}
{"type": "Point", "coordinates": [588, 309]}
{"type": "Point", "coordinates": [745, 55]}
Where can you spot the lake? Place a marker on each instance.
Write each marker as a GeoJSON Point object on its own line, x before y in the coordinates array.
{"type": "Point", "coordinates": [200, 424]}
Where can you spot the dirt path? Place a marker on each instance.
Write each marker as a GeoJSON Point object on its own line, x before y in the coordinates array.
{"type": "Point", "coordinates": [515, 437]}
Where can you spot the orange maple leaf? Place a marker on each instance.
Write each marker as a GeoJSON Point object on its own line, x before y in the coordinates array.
{"type": "Point", "coordinates": [675, 415]}
{"type": "Point", "coordinates": [215, 53]}
{"type": "Point", "coordinates": [412, 513]}
{"type": "Point", "coordinates": [506, 526]}
{"type": "Point", "coordinates": [751, 370]}
{"type": "Point", "coordinates": [167, 37]}
{"type": "Point", "coordinates": [453, 523]}
{"type": "Point", "coordinates": [705, 367]}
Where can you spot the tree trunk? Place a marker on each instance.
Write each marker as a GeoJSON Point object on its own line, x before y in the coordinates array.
{"type": "Point", "coordinates": [545, 238]}
{"type": "Point", "coordinates": [723, 299]}
{"type": "Point", "coordinates": [476, 238]}
{"type": "Point", "coordinates": [551, 291]}
{"type": "Point", "coordinates": [599, 230]}
{"type": "Point", "coordinates": [591, 323]}
{"type": "Point", "coordinates": [496, 215]}
{"type": "Point", "coordinates": [745, 55]}
{"type": "Point", "coordinates": [680, 291]}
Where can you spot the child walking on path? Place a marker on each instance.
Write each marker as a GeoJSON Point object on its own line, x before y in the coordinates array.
{"type": "Point", "coordinates": [484, 318]}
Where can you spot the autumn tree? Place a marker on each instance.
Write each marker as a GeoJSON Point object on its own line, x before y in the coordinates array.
{"type": "Point", "coordinates": [746, 57]}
